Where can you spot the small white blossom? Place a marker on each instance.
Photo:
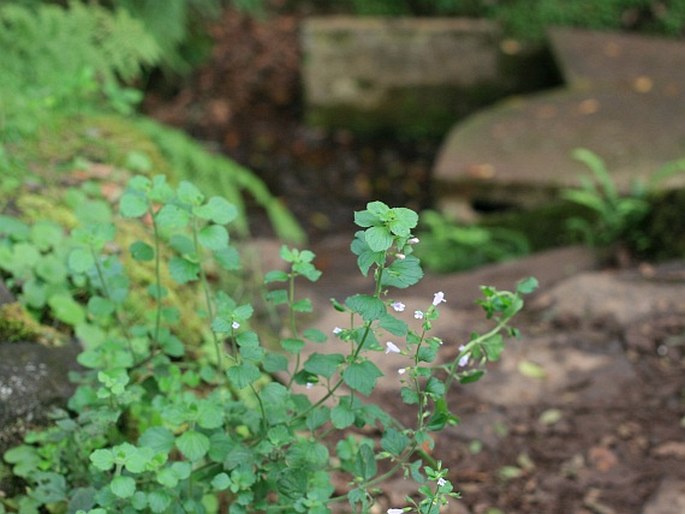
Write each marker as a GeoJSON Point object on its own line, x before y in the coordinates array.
{"type": "Point", "coordinates": [418, 314]}
{"type": "Point", "coordinates": [398, 306]}
{"type": "Point", "coordinates": [438, 298]}
{"type": "Point", "coordinates": [391, 347]}
{"type": "Point", "coordinates": [400, 256]}
{"type": "Point", "coordinates": [309, 385]}
{"type": "Point", "coordinates": [235, 325]}
{"type": "Point", "coordinates": [464, 359]}
{"type": "Point", "coordinates": [441, 482]}
{"type": "Point", "coordinates": [337, 330]}
{"type": "Point", "coordinates": [395, 511]}
{"type": "Point", "coordinates": [413, 241]}
{"type": "Point", "coordinates": [402, 371]}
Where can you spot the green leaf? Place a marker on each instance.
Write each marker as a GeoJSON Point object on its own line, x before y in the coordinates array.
{"type": "Point", "coordinates": [403, 273]}
{"type": "Point", "coordinates": [393, 325]}
{"type": "Point", "coordinates": [470, 376]}
{"type": "Point", "coordinates": [365, 463]}
{"type": "Point", "coordinates": [172, 217]}
{"type": "Point", "coordinates": [46, 235]}
{"type": "Point", "coordinates": [378, 209]}
{"type": "Point", "coordinates": [368, 307]}
{"type": "Point", "coordinates": [394, 442]}
{"type": "Point", "coordinates": [527, 285]}
{"type": "Point", "coordinates": [292, 345]}
{"type": "Point", "coordinates": [362, 376]}
{"type": "Point", "coordinates": [182, 270]}
{"type": "Point", "coordinates": [123, 487]}
{"type": "Point", "coordinates": [66, 310]}
{"type": "Point", "coordinates": [193, 445]}
{"type": "Point", "coordinates": [275, 362]}
{"type": "Point", "coordinates": [160, 439]}
{"type": "Point", "coordinates": [188, 193]}
{"type": "Point", "coordinates": [275, 276]}
{"type": "Point", "coordinates": [102, 459]}
{"type": "Point", "coordinates": [342, 416]}
{"type": "Point", "coordinates": [132, 205]}
{"type": "Point", "coordinates": [304, 305]}
{"type": "Point", "coordinates": [141, 251]}
{"type": "Point", "coordinates": [379, 239]}
{"type": "Point", "coordinates": [315, 335]}
{"type": "Point", "coordinates": [324, 364]}
{"type": "Point", "coordinates": [213, 237]}
{"type": "Point", "coordinates": [318, 417]}
{"type": "Point", "coordinates": [242, 375]}
{"type": "Point", "coordinates": [80, 260]}
{"type": "Point", "coordinates": [161, 192]}
{"type": "Point", "coordinates": [51, 269]}
{"type": "Point", "coordinates": [493, 347]}
{"type": "Point", "coordinates": [218, 210]}
{"type": "Point", "coordinates": [405, 220]}
{"type": "Point", "coordinates": [365, 219]}
{"type": "Point", "coordinates": [409, 396]}
{"type": "Point", "coordinates": [228, 258]}
{"type": "Point", "coordinates": [221, 482]}
{"type": "Point", "coordinates": [159, 501]}
{"type": "Point", "coordinates": [100, 307]}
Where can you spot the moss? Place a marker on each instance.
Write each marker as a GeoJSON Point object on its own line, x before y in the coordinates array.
{"type": "Point", "coordinates": [17, 324]}
{"type": "Point", "coordinates": [47, 205]}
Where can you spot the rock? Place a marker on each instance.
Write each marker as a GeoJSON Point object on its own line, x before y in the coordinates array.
{"type": "Point", "coordinates": [589, 58]}
{"type": "Point", "coordinates": [518, 153]}
{"type": "Point", "coordinates": [5, 295]}
{"type": "Point", "coordinates": [415, 76]}
{"type": "Point", "coordinates": [33, 378]}
{"type": "Point", "coordinates": [610, 296]}
{"type": "Point", "coordinates": [668, 499]}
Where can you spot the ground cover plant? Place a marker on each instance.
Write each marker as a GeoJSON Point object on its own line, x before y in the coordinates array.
{"type": "Point", "coordinates": [161, 425]}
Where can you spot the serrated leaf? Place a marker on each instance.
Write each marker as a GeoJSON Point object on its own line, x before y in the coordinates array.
{"type": "Point", "coordinates": [160, 439]}
{"type": "Point", "coordinates": [123, 487]}
{"type": "Point", "coordinates": [379, 239]}
{"type": "Point", "coordinates": [394, 441]}
{"type": "Point", "coordinates": [46, 235]}
{"type": "Point", "coordinates": [159, 501]}
{"type": "Point", "coordinates": [193, 445]}
{"type": "Point", "coordinates": [242, 375]}
{"type": "Point", "coordinates": [324, 364]}
{"type": "Point", "coordinates": [315, 335]}
{"type": "Point", "coordinates": [304, 305]}
{"type": "Point", "coordinates": [182, 270]}
{"type": "Point", "coordinates": [393, 325]}
{"type": "Point", "coordinates": [65, 309]}
{"type": "Point", "coordinates": [275, 362]}
{"type": "Point", "coordinates": [493, 347]}
{"type": "Point", "coordinates": [100, 307]}
{"type": "Point", "coordinates": [275, 276]}
{"type": "Point", "coordinates": [365, 463]}
{"type": "Point", "coordinates": [172, 217]}
{"type": "Point", "coordinates": [342, 416]}
{"type": "Point", "coordinates": [228, 258]}
{"type": "Point", "coordinates": [368, 307]}
{"type": "Point", "coordinates": [218, 210]}
{"type": "Point", "coordinates": [102, 459]}
{"type": "Point", "coordinates": [221, 482]}
{"type": "Point", "coordinates": [132, 205]}
{"type": "Point", "coordinates": [213, 237]}
{"type": "Point", "coordinates": [188, 193]}
{"type": "Point", "coordinates": [403, 273]}
{"type": "Point", "coordinates": [141, 251]}
{"type": "Point", "coordinates": [362, 376]}
{"type": "Point", "coordinates": [80, 260]}
{"type": "Point", "coordinates": [365, 219]}
{"type": "Point", "coordinates": [292, 345]}
{"type": "Point", "coordinates": [527, 285]}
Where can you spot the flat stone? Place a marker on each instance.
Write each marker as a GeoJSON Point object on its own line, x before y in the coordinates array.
{"type": "Point", "coordinates": [668, 499]}
{"type": "Point", "coordinates": [620, 297]}
{"type": "Point", "coordinates": [366, 73]}
{"type": "Point", "coordinates": [629, 60]}
{"type": "Point", "coordinates": [520, 151]}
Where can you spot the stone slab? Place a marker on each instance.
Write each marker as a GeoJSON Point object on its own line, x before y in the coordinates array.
{"type": "Point", "coordinates": [405, 74]}
{"type": "Point", "coordinates": [588, 58]}
{"type": "Point", "coordinates": [668, 499]}
{"type": "Point", "coordinates": [520, 151]}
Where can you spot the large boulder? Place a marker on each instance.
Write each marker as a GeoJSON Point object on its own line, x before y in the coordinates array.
{"type": "Point", "coordinates": [624, 101]}
{"type": "Point", "coordinates": [410, 76]}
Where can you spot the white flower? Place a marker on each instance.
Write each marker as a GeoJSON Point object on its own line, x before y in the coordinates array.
{"type": "Point", "coordinates": [391, 347]}
{"type": "Point", "coordinates": [441, 482]}
{"type": "Point", "coordinates": [418, 314]}
{"type": "Point", "coordinates": [400, 256]}
{"type": "Point", "coordinates": [438, 298]}
{"type": "Point", "coordinates": [309, 385]}
{"type": "Point", "coordinates": [395, 511]}
{"type": "Point", "coordinates": [464, 359]}
{"type": "Point", "coordinates": [398, 306]}
{"type": "Point", "coordinates": [235, 325]}
{"type": "Point", "coordinates": [413, 241]}
{"type": "Point", "coordinates": [402, 371]}
{"type": "Point", "coordinates": [337, 330]}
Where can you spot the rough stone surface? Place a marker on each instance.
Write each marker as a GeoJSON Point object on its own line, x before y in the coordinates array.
{"type": "Point", "coordinates": [669, 498]}
{"type": "Point", "coordinates": [33, 378]}
{"type": "Point", "coordinates": [369, 72]}
{"type": "Point", "coordinates": [519, 152]}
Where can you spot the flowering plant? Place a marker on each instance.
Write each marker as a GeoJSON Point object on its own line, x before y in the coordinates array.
{"type": "Point", "coordinates": [157, 425]}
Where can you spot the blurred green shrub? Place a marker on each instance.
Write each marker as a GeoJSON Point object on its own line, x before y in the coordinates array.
{"type": "Point", "coordinates": [447, 246]}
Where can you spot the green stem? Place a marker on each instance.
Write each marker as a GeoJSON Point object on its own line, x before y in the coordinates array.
{"type": "Point", "coordinates": [158, 281]}
{"type": "Point", "coordinates": [293, 324]}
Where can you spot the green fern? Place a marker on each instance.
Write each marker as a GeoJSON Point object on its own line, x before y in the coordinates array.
{"type": "Point", "coordinates": [60, 59]}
